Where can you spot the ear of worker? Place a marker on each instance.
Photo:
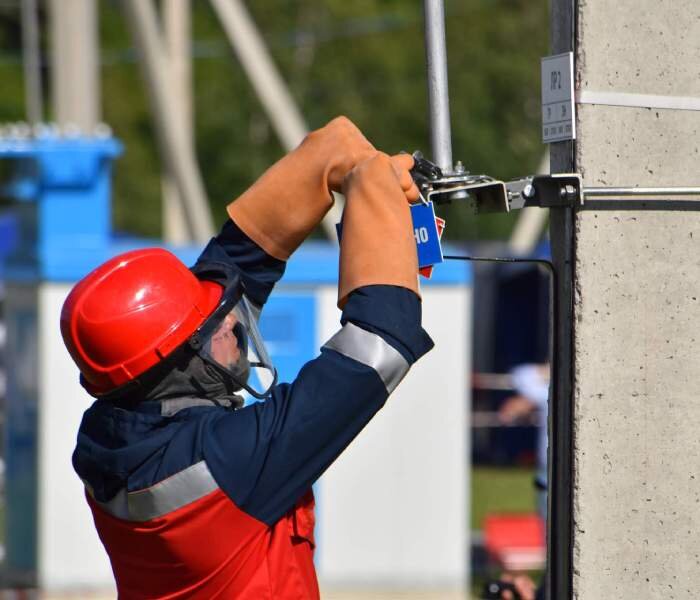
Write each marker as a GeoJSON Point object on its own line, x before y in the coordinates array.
{"type": "Point", "coordinates": [291, 198]}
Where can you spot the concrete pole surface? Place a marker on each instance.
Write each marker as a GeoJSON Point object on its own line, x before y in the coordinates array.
{"type": "Point", "coordinates": [74, 63]}
{"type": "Point", "coordinates": [636, 490]}
{"type": "Point", "coordinates": [177, 34]}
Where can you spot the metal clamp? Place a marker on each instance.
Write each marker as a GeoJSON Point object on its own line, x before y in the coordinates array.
{"type": "Point", "coordinates": [547, 191]}
{"type": "Point", "coordinates": [485, 193]}
{"type": "Point", "coordinates": [488, 195]}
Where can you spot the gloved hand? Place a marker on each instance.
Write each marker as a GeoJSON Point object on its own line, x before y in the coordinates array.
{"type": "Point", "coordinates": [403, 163]}
{"type": "Point", "coordinates": [377, 246]}
{"type": "Point", "coordinates": [291, 198]}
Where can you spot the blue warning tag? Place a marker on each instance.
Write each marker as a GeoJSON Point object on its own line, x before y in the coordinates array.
{"type": "Point", "coordinates": [425, 232]}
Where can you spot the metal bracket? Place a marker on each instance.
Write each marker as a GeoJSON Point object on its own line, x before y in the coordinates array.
{"type": "Point", "coordinates": [489, 195]}
{"type": "Point", "coordinates": [547, 191]}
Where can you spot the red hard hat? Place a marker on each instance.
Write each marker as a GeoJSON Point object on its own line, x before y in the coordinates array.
{"type": "Point", "coordinates": [130, 313]}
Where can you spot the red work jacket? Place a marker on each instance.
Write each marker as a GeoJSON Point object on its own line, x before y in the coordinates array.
{"type": "Point", "coordinates": [209, 549]}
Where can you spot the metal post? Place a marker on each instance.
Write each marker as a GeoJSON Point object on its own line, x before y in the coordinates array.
{"type": "Point", "coordinates": [32, 62]}
{"type": "Point", "coordinates": [177, 155]}
{"type": "Point", "coordinates": [558, 578]}
{"type": "Point", "coordinates": [438, 93]}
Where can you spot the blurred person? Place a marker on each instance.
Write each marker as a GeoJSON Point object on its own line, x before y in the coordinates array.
{"type": "Point", "coordinates": [531, 386]}
{"type": "Point", "coordinates": [193, 494]}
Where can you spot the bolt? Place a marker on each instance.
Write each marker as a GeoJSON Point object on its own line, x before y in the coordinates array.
{"type": "Point", "coordinates": [528, 192]}
{"type": "Point", "coordinates": [567, 192]}
{"type": "Point", "coordinates": [459, 168]}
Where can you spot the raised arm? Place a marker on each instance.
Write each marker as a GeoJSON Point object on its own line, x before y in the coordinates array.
{"type": "Point", "coordinates": [278, 212]}
{"type": "Point", "coordinates": [265, 456]}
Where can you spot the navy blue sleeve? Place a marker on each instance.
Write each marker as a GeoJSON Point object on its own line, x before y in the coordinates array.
{"type": "Point", "coordinates": [259, 271]}
{"type": "Point", "coordinates": [266, 455]}
{"type": "Point", "coordinates": [392, 312]}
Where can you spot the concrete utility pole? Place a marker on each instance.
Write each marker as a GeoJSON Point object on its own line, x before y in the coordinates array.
{"type": "Point", "coordinates": [632, 291]}
{"type": "Point", "coordinates": [74, 63]}
{"type": "Point", "coordinates": [177, 29]}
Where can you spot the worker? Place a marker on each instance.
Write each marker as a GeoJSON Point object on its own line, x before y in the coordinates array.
{"type": "Point", "coordinates": [193, 494]}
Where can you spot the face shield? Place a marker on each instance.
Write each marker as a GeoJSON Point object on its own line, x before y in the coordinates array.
{"type": "Point", "coordinates": [230, 341]}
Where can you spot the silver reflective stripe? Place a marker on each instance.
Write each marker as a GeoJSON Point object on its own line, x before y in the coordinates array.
{"type": "Point", "coordinates": [164, 497]}
{"type": "Point", "coordinates": [370, 349]}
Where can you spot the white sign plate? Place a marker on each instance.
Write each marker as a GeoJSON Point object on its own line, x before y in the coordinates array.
{"type": "Point", "coordinates": [558, 116]}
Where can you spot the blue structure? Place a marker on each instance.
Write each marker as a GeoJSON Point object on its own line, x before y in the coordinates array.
{"type": "Point", "coordinates": [63, 191]}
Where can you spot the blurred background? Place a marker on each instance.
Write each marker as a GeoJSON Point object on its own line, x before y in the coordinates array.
{"type": "Point", "coordinates": [364, 59]}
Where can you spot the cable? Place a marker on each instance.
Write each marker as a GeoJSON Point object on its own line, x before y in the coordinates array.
{"type": "Point", "coordinates": [540, 261]}
{"type": "Point", "coordinates": [553, 342]}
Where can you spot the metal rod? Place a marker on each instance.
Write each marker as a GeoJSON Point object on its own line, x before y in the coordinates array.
{"type": "Point", "coordinates": [32, 62]}
{"type": "Point", "coordinates": [606, 192]}
{"type": "Point", "coordinates": [438, 93]}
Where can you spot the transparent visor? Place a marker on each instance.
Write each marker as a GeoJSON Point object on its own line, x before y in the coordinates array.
{"type": "Point", "coordinates": [236, 346]}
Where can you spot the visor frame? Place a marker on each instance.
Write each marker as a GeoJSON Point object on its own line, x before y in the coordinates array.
{"type": "Point", "coordinates": [232, 296]}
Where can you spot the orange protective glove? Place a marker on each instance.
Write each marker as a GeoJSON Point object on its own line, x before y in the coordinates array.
{"type": "Point", "coordinates": [402, 164]}
{"type": "Point", "coordinates": [291, 198]}
{"type": "Point", "coordinates": [377, 246]}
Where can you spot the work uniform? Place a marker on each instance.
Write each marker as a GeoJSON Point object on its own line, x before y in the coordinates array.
{"type": "Point", "coordinates": [194, 498]}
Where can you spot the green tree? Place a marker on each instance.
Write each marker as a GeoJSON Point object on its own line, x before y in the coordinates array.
{"type": "Point", "coordinates": [364, 59]}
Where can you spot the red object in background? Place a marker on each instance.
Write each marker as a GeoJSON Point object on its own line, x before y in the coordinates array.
{"type": "Point", "coordinates": [516, 541]}
{"type": "Point", "coordinates": [427, 272]}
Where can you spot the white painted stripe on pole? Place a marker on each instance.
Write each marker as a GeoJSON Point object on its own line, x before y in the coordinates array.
{"type": "Point", "coordinates": [638, 100]}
